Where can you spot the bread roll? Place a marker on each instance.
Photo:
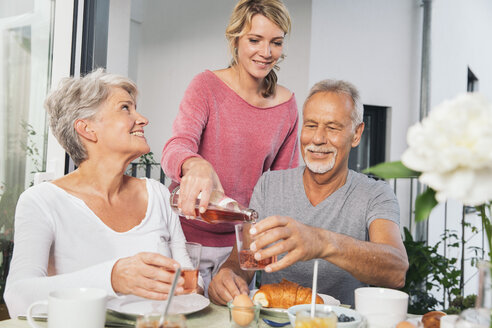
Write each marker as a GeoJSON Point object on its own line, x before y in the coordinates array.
{"type": "Point", "coordinates": [284, 295]}
{"type": "Point", "coordinates": [432, 319]}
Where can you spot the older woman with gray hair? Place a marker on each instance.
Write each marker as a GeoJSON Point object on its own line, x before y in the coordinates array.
{"type": "Point", "coordinates": [95, 227]}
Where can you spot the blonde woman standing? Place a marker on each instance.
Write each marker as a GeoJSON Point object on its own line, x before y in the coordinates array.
{"type": "Point", "coordinates": [234, 124]}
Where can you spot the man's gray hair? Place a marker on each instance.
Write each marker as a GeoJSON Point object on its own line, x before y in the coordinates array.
{"type": "Point", "coordinates": [80, 98]}
{"type": "Point", "coordinates": [340, 86]}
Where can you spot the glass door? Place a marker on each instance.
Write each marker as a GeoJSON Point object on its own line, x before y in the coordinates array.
{"type": "Point", "coordinates": [27, 70]}
{"type": "Point", "coordinates": [25, 74]}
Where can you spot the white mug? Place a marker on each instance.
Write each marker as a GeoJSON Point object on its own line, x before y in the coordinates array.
{"type": "Point", "coordinates": [73, 307]}
{"type": "Point", "coordinates": [382, 307]}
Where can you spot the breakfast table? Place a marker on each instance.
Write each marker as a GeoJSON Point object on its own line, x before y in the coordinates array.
{"type": "Point", "coordinates": [212, 316]}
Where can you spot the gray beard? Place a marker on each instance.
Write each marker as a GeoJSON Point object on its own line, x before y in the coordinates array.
{"type": "Point", "coordinates": [320, 168]}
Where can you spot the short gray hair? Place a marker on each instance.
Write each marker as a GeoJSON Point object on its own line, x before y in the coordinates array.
{"type": "Point", "coordinates": [340, 86]}
{"type": "Point", "coordinates": [79, 98]}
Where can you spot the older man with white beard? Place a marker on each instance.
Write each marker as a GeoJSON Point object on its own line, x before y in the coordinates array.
{"type": "Point", "coordinates": [323, 211]}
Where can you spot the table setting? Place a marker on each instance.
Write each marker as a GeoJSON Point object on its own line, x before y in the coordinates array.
{"type": "Point", "coordinates": [89, 307]}
{"type": "Point", "coordinates": [213, 315]}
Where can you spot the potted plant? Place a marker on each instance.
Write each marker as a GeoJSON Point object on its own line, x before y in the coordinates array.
{"type": "Point", "coordinates": [8, 202]}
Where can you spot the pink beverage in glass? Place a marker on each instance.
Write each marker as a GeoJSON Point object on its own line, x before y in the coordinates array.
{"type": "Point", "coordinates": [246, 255]}
{"type": "Point", "coordinates": [151, 320]}
{"type": "Point", "coordinates": [191, 279]}
{"type": "Point", "coordinates": [247, 261]}
{"type": "Point", "coordinates": [189, 266]}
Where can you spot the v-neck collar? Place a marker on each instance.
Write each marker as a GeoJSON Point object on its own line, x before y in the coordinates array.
{"type": "Point", "coordinates": [98, 219]}
{"type": "Point", "coordinates": [301, 190]}
{"type": "Point", "coordinates": [231, 91]}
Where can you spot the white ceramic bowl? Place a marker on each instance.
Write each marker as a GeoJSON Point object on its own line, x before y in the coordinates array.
{"type": "Point", "coordinates": [381, 306]}
{"type": "Point", "coordinates": [291, 312]}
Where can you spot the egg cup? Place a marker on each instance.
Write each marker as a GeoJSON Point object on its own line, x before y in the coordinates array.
{"type": "Point", "coordinates": [244, 316]}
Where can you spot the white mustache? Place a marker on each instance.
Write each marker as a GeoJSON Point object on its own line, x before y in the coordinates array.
{"type": "Point", "coordinates": [321, 149]}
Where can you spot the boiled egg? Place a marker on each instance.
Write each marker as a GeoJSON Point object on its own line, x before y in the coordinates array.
{"type": "Point", "coordinates": [242, 311]}
{"type": "Point", "coordinates": [405, 324]}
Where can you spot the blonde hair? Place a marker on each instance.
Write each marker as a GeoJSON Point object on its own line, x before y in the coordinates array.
{"type": "Point", "coordinates": [79, 98]}
{"type": "Point", "coordinates": [240, 22]}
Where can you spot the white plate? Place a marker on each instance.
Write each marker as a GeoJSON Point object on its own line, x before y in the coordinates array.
{"type": "Point", "coordinates": [132, 306]}
{"type": "Point", "coordinates": [279, 312]}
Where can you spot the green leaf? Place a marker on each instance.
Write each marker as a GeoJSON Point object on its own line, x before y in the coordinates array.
{"type": "Point", "coordinates": [424, 204]}
{"type": "Point", "coordinates": [408, 235]}
{"type": "Point", "coordinates": [391, 170]}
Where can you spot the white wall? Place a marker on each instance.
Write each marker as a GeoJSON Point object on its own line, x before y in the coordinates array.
{"type": "Point", "coordinates": [461, 37]}
{"type": "Point", "coordinates": [375, 45]}
{"type": "Point", "coordinates": [119, 36]}
{"type": "Point", "coordinates": [136, 19]}
{"type": "Point", "coordinates": [461, 32]}
{"type": "Point", "coordinates": [294, 71]}
{"type": "Point", "coordinates": [181, 39]}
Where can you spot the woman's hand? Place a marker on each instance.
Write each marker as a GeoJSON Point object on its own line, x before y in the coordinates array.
{"type": "Point", "coordinates": [198, 177]}
{"type": "Point", "coordinates": [148, 275]}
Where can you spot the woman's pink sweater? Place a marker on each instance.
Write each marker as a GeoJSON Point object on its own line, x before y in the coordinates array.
{"type": "Point", "coordinates": [241, 141]}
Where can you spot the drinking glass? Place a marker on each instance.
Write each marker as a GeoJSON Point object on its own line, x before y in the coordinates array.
{"type": "Point", "coordinates": [188, 254]}
{"type": "Point", "coordinates": [244, 316]}
{"type": "Point", "coordinates": [320, 320]}
{"type": "Point", "coordinates": [246, 255]}
{"type": "Point", "coordinates": [481, 315]}
{"type": "Point", "coordinates": [151, 320]}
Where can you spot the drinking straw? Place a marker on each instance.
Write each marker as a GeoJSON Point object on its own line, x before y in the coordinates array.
{"type": "Point", "coordinates": [170, 296]}
{"type": "Point", "coordinates": [315, 286]}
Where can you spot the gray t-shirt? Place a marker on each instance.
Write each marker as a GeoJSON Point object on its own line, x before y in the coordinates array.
{"type": "Point", "coordinates": [349, 211]}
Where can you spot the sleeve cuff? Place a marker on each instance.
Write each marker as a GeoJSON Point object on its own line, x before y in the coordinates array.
{"type": "Point", "coordinates": [108, 271]}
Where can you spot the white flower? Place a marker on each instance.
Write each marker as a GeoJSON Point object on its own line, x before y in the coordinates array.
{"type": "Point", "coordinates": [452, 147]}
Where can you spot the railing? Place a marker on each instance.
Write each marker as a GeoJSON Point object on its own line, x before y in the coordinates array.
{"type": "Point", "coordinates": [406, 191]}
{"type": "Point", "coordinates": [149, 170]}
{"type": "Point", "coordinates": [463, 221]}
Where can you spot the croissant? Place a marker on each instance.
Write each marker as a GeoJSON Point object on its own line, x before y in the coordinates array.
{"type": "Point", "coordinates": [284, 295]}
